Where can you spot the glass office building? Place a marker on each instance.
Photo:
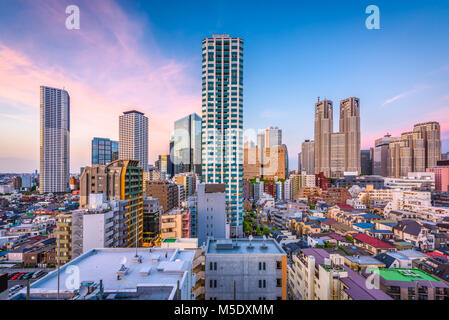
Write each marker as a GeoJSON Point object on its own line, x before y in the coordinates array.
{"type": "Point", "coordinates": [104, 150]}
{"type": "Point", "coordinates": [187, 145]}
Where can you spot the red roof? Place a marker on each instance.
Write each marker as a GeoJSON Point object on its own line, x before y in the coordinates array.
{"type": "Point", "coordinates": [344, 206]}
{"type": "Point", "coordinates": [430, 254]}
{"type": "Point", "coordinates": [374, 242]}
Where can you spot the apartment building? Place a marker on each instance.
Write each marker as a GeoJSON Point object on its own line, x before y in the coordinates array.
{"type": "Point", "coordinates": [245, 269]}
{"type": "Point", "coordinates": [314, 274]}
{"type": "Point", "coordinates": [166, 192]}
{"type": "Point", "coordinates": [175, 224]}
{"type": "Point", "coordinates": [118, 180]}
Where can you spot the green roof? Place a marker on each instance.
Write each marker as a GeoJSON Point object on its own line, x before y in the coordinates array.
{"type": "Point", "coordinates": [404, 274]}
{"type": "Point", "coordinates": [169, 240]}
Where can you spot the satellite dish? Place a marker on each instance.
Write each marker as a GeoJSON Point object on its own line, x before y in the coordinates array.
{"type": "Point", "coordinates": [250, 237]}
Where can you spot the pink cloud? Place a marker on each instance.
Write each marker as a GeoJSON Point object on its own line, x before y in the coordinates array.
{"type": "Point", "coordinates": [106, 71]}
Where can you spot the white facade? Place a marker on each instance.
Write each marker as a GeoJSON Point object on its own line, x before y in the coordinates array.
{"type": "Point", "coordinates": [54, 140]}
{"type": "Point", "coordinates": [133, 137]}
{"type": "Point", "coordinates": [222, 121]}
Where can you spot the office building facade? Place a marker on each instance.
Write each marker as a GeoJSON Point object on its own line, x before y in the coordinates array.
{"type": "Point", "coordinates": [187, 145]}
{"type": "Point", "coordinates": [104, 150]}
{"type": "Point", "coordinates": [54, 140]}
{"type": "Point", "coordinates": [323, 131]}
{"type": "Point", "coordinates": [307, 158]}
{"type": "Point", "coordinates": [133, 137]}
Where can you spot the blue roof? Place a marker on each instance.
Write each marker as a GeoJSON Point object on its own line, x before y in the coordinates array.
{"type": "Point", "coordinates": [364, 225]}
{"type": "Point", "coordinates": [3, 253]}
{"type": "Point", "coordinates": [371, 216]}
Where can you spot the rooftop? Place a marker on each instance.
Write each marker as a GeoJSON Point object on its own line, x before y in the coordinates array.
{"type": "Point", "coordinates": [374, 242]}
{"type": "Point", "coordinates": [158, 273]}
{"type": "Point", "coordinates": [242, 246]}
{"type": "Point", "coordinates": [404, 274]}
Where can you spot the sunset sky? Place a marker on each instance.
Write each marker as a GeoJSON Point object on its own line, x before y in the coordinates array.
{"type": "Point", "coordinates": [146, 55]}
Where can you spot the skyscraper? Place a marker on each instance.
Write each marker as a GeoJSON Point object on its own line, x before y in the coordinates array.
{"type": "Point", "coordinates": [307, 158]}
{"type": "Point", "coordinates": [323, 130]}
{"type": "Point", "coordinates": [273, 137]}
{"type": "Point", "coordinates": [415, 150]}
{"type": "Point", "coordinates": [133, 137]}
{"type": "Point", "coordinates": [432, 141]}
{"type": "Point", "coordinates": [381, 164]}
{"type": "Point", "coordinates": [104, 150]}
{"type": "Point", "coordinates": [222, 121]}
{"type": "Point", "coordinates": [187, 145]}
{"type": "Point", "coordinates": [366, 161]}
{"type": "Point", "coordinates": [54, 140]}
{"type": "Point", "coordinates": [350, 127]}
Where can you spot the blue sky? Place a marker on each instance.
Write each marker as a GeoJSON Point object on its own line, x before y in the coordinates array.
{"type": "Point", "coordinates": [295, 51]}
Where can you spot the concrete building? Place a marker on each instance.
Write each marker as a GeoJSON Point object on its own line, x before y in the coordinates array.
{"type": "Point", "coordinates": [252, 165]}
{"type": "Point", "coordinates": [119, 180]}
{"type": "Point", "coordinates": [307, 158]}
{"type": "Point", "coordinates": [381, 163]}
{"type": "Point", "coordinates": [151, 217]}
{"type": "Point", "coordinates": [188, 180]}
{"type": "Point", "coordinates": [187, 145]}
{"type": "Point", "coordinates": [63, 235]}
{"type": "Point", "coordinates": [166, 192]}
{"type": "Point", "coordinates": [243, 269]}
{"type": "Point", "coordinates": [350, 127]}
{"type": "Point", "coordinates": [222, 120]}
{"type": "Point", "coordinates": [133, 137]}
{"type": "Point", "coordinates": [315, 274]}
{"type": "Point", "coordinates": [274, 166]}
{"type": "Point", "coordinates": [337, 155]}
{"type": "Point", "coordinates": [54, 140]}
{"type": "Point", "coordinates": [102, 225]}
{"type": "Point", "coordinates": [366, 161]}
{"type": "Point", "coordinates": [211, 214]}
{"type": "Point", "coordinates": [322, 140]}
{"type": "Point", "coordinates": [175, 223]}
{"type": "Point", "coordinates": [191, 204]}
{"type": "Point", "coordinates": [410, 284]}
{"type": "Point", "coordinates": [118, 274]}
{"type": "Point", "coordinates": [416, 150]}
{"type": "Point", "coordinates": [273, 137]}
{"type": "Point", "coordinates": [441, 177]}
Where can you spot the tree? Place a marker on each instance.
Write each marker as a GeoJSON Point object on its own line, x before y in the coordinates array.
{"type": "Point", "coordinates": [266, 231]}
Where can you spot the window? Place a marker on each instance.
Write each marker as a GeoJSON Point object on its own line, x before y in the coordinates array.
{"type": "Point", "coordinates": [278, 282]}
{"type": "Point", "coordinates": [262, 283]}
{"type": "Point", "coordinates": [278, 265]}
{"type": "Point", "coordinates": [212, 283]}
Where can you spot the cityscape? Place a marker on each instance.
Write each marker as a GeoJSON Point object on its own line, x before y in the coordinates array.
{"type": "Point", "coordinates": [322, 200]}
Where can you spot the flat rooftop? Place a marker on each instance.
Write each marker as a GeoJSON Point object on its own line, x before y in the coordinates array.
{"type": "Point", "coordinates": [242, 246]}
{"type": "Point", "coordinates": [405, 275]}
{"type": "Point", "coordinates": [159, 272]}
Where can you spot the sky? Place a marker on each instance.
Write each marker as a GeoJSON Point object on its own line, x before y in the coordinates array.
{"type": "Point", "coordinates": [146, 55]}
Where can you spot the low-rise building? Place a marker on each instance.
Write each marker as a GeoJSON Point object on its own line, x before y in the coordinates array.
{"type": "Point", "coordinates": [244, 269]}
{"type": "Point", "coordinates": [120, 274]}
